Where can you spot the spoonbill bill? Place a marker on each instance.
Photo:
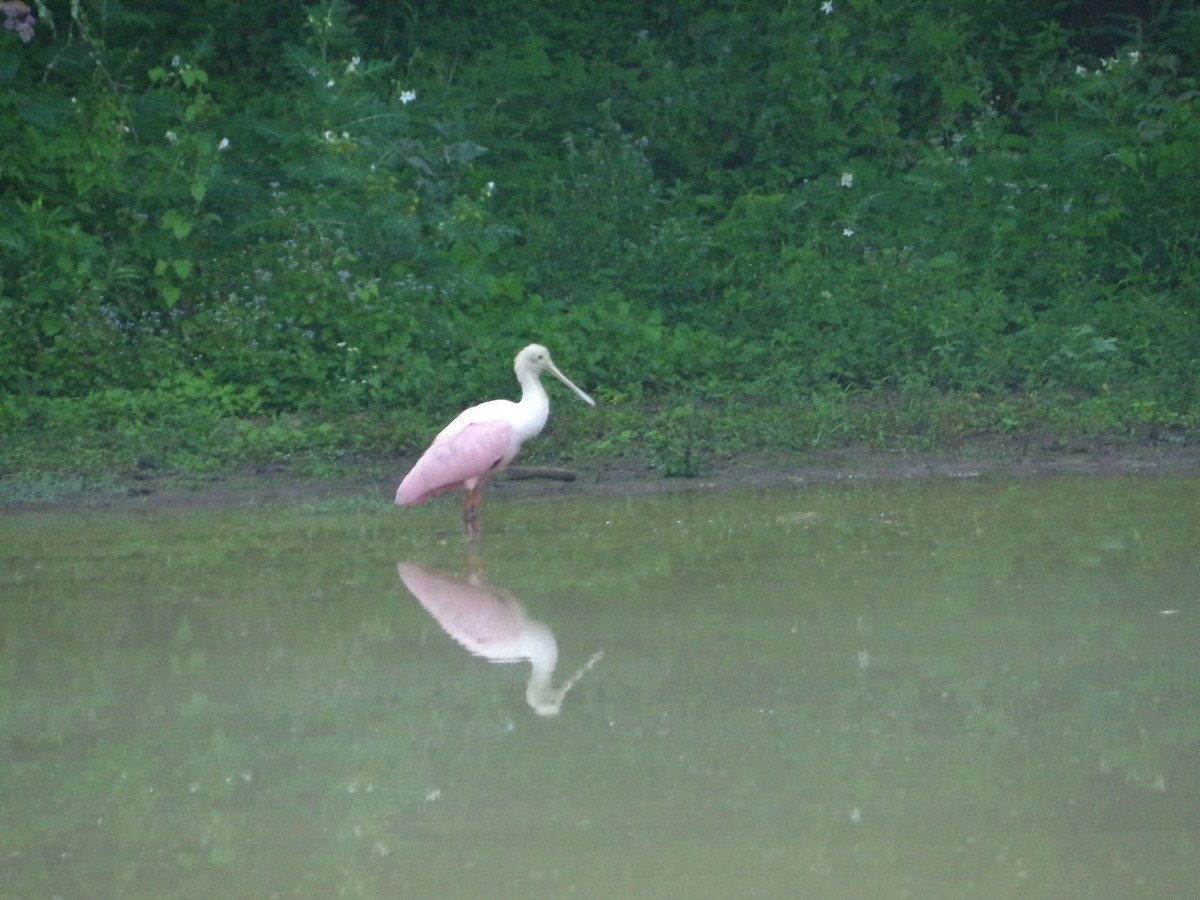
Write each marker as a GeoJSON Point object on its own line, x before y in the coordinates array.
{"type": "Point", "coordinates": [484, 439]}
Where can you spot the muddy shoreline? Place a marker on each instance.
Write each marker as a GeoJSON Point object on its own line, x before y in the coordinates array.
{"type": "Point", "coordinates": [990, 459]}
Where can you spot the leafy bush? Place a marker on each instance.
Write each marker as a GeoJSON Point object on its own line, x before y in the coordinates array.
{"type": "Point", "coordinates": [358, 207]}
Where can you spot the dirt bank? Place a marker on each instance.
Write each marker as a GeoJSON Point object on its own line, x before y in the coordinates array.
{"type": "Point", "coordinates": [992, 458]}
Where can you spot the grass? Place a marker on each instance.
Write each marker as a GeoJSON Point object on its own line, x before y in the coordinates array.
{"type": "Point", "coordinates": [33, 487]}
{"type": "Point", "coordinates": [48, 458]}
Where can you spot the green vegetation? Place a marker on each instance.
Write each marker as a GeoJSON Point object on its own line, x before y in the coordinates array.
{"type": "Point", "coordinates": [310, 234]}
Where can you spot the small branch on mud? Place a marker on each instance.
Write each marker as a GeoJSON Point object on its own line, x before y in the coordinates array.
{"type": "Point", "coordinates": [521, 473]}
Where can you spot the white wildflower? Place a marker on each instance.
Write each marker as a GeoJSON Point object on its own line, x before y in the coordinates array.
{"type": "Point", "coordinates": [827, 7]}
{"type": "Point", "coordinates": [171, 137]}
{"type": "Point", "coordinates": [847, 180]}
{"type": "Point", "coordinates": [407, 97]}
{"type": "Point", "coordinates": [224, 144]}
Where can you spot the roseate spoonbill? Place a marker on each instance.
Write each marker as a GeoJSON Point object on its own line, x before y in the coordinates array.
{"type": "Point", "coordinates": [492, 624]}
{"type": "Point", "coordinates": [485, 438]}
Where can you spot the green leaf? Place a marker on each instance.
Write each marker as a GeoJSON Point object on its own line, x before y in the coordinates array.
{"type": "Point", "coordinates": [177, 223]}
{"type": "Point", "coordinates": [463, 152]}
{"type": "Point", "coordinates": [192, 77]}
{"type": "Point", "coordinates": [1130, 159]}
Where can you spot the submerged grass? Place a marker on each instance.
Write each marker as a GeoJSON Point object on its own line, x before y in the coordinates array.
{"type": "Point", "coordinates": [67, 450]}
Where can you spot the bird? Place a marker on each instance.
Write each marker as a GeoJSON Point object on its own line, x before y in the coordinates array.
{"type": "Point", "coordinates": [492, 624]}
{"type": "Point", "coordinates": [484, 439]}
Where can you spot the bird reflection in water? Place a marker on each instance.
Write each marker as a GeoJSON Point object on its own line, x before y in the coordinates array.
{"type": "Point", "coordinates": [492, 624]}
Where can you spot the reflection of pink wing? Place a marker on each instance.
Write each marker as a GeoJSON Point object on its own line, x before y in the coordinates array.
{"type": "Point", "coordinates": [479, 618]}
{"type": "Point", "coordinates": [451, 459]}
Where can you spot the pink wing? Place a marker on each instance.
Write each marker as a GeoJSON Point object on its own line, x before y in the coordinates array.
{"type": "Point", "coordinates": [471, 452]}
{"type": "Point", "coordinates": [476, 616]}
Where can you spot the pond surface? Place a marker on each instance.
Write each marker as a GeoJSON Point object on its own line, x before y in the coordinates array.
{"type": "Point", "coordinates": [936, 690]}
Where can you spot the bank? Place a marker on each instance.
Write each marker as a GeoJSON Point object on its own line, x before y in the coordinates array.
{"type": "Point", "coordinates": [87, 457]}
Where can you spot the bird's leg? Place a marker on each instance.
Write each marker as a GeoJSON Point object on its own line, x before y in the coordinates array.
{"type": "Point", "coordinates": [471, 509]}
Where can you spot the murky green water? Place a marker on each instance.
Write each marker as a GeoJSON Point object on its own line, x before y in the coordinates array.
{"type": "Point", "coordinates": [932, 691]}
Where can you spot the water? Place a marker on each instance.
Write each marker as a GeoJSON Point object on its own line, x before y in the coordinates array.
{"type": "Point", "coordinates": [940, 690]}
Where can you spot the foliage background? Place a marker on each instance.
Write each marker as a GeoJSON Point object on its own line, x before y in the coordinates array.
{"type": "Point", "coordinates": [214, 215]}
